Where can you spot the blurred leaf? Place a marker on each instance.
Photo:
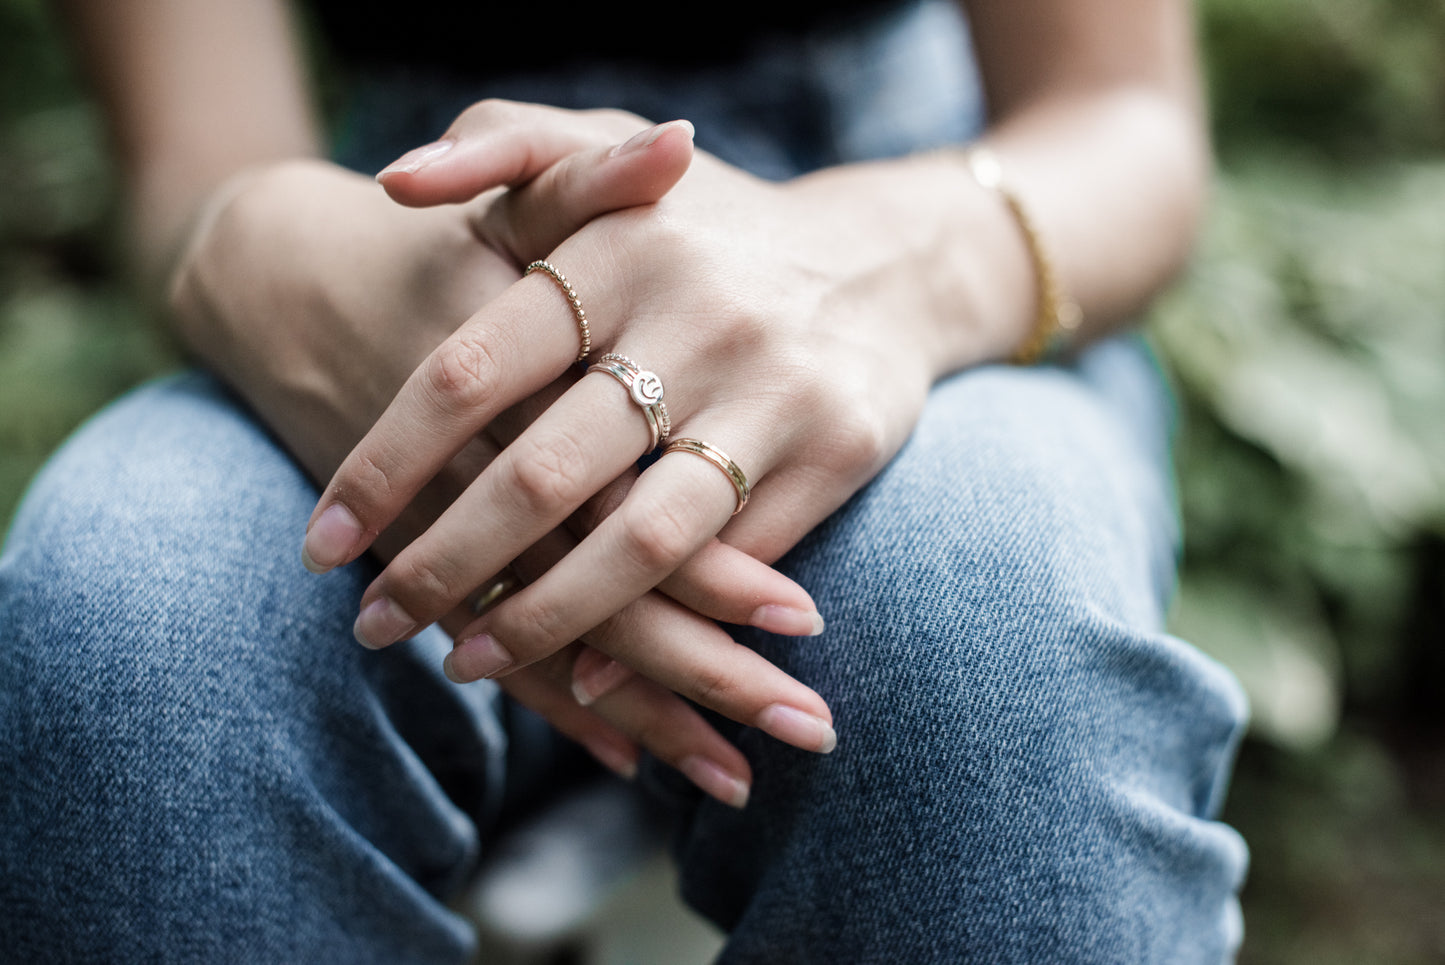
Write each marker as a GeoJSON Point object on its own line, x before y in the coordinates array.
{"type": "Point", "coordinates": [1282, 653]}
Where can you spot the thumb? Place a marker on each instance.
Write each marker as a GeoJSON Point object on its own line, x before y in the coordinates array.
{"type": "Point", "coordinates": [530, 222]}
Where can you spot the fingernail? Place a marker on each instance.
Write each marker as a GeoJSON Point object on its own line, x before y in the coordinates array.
{"type": "Point", "coordinates": [714, 780]}
{"type": "Point", "coordinates": [649, 137]}
{"type": "Point", "coordinates": [475, 658]}
{"type": "Point", "coordinates": [381, 623]}
{"type": "Point", "coordinates": [799, 728]}
{"type": "Point", "coordinates": [620, 761]}
{"type": "Point", "coordinates": [416, 159]}
{"type": "Point", "coordinates": [591, 678]}
{"type": "Point", "coordinates": [331, 539]}
{"type": "Point", "coordinates": [787, 621]}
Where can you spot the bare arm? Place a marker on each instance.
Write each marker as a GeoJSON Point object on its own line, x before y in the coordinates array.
{"type": "Point", "coordinates": [1098, 117]}
{"type": "Point", "coordinates": [194, 91]}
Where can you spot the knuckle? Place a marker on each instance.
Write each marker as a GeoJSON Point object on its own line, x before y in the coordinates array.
{"type": "Point", "coordinates": [854, 433]}
{"type": "Point", "coordinates": [546, 628]}
{"type": "Point", "coordinates": [462, 373]}
{"type": "Point", "coordinates": [859, 436]}
{"type": "Point", "coordinates": [546, 475]}
{"type": "Point", "coordinates": [714, 687]}
{"type": "Point", "coordinates": [428, 586]}
{"type": "Point", "coordinates": [657, 538]}
{"type": "Point", "coordinates": [488, 112]}
{"type": "Point", "coordinates": [370, 484]}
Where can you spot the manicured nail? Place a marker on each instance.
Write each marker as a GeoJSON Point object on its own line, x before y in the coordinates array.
{"type": "Point", "coordinates": [650, 136]}
{"type": "Point", "coordinates": [787, 621]}
{"type": "Point", "coordinates": [416, 159]}
{"type": "Point", "coordinates": [799, 728]}
{"type": "Point", "coordinates": [381, 623]}
{"type": "Point", "coordinates": [331, 539]}
{"type": "Point", "coordinates": [709, 776]}
{"type": "Point", "coordinates": [620, 761]}
{"type": "Point", "coordinates": [475, 658]}
{"type": "Point", "coordinates": [594, 676]}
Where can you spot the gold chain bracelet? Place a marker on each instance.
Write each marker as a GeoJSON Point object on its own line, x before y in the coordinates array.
{"type": "Point", "coordinates": [1058, 316]}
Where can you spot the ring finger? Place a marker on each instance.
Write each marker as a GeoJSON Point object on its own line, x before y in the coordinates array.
{"type": "Point", "coordinates": [675, 507]}
{"type": "Point", "coordinates": [529, 490]}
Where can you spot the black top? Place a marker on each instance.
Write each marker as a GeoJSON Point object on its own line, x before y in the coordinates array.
{"type": "Point", "coordinates": [510, 37]}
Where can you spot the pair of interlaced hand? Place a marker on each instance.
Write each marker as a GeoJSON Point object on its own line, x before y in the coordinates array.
{"type": "Point", "coordinates": [757, 306]}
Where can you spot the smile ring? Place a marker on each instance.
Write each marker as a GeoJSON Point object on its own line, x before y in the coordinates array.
{"type": "Point", "coordinates": [644, 387]}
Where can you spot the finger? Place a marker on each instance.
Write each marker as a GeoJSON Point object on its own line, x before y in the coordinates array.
{"type": "Point", "coordinates": [498, 143]}
{"type": "Point", "coordinates": [663, 642]}
{"type": "Point", "coordinates": [482, 369]}
{"type": "Point", "coordinates": [793, 501]}
{"type": "Point", "coordinates": [648, 630]}
{"type": "Point", "coordinates": [671, 731]}
{"type": "Point", "coordinates": [529, 222]}
{"type": "Point", "coordinates": [607, 743]}
{"type": "Point", "coordinates": [723, 582]}
{"type": "Point", "coordinates": [671, 513]}
{"type": "Point", "coordinates": [647, 624]}
{"type": "Point", "coordinates": [701, 663]}
{"type": "Point", "coordinates": [594, 674]}
{"type": "Point", "coordinates": [646, 633]}
{"type": "Point", "coordinates": [529, 490]}
{"type": "Point", "coordinates": [719, 580]}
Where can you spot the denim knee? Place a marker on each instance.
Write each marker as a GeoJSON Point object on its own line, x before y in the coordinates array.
{"type": "Point", "coordinates": [199, 762]}
{"type": "Point", "coordinates": [1027, 767]}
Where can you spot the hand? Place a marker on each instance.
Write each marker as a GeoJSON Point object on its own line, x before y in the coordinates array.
{"type": "Point", "coordinates": [330, 266]}
{"type": "Point", "coordinates": [783, 334]}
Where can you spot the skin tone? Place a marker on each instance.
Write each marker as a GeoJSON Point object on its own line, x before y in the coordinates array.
{"type": "Point", "coordinates": [795, 326]}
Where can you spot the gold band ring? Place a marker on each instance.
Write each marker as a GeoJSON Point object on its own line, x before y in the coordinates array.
{"type": "Point", "coordinates": [644, 387]}
{"type": "Point", "coordinates": [500, 588]}
{"type": "Point", "coordinates": [720, 459]}
{"type": "Point", "coordinates": [582, 329]}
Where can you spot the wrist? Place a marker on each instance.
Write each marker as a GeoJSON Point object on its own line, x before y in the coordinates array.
{"type": "Point", "coordinates": [943, 255]}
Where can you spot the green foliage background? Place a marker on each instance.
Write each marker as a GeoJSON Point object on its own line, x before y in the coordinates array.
{"type": "Point", "coordinates": [1308, 343]}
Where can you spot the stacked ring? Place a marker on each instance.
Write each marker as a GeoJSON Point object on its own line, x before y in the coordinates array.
{"type": "Point", "coordinates": [720, 459]}
{"type": "Point", "coordinates": [572, 299]}
{"type": "Point", "coordinates": [644, 387]}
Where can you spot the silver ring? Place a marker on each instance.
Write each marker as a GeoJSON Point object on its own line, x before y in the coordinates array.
{"type": "Point", "coordinates": [644, 387]}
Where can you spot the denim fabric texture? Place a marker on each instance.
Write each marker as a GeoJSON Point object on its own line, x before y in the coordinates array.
{"type": "Point", "coordinates": [198, 764]}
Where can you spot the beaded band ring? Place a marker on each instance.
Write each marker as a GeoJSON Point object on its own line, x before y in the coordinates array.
{"type": "Point", "coordinates": [582, 329]}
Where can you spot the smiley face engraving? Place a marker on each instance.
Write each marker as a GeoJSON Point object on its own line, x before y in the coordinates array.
{"type": "Point", "coordinates": [646, 389]}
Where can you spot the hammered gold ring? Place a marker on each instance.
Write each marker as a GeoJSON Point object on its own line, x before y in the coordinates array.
{"type": "Point", "coordinates": [644, 387]}
{"type": "Point", "coordinates": [720, 459]}
{"type": "Point", "coordinates": [580, 313]}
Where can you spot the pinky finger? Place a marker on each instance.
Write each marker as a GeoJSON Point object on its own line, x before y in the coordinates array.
{"type": "Point", "coordinates": [613, 749]}
{"type": "Point", "coordinates": [652, 716]}
{"type": "Point", "coordinates": [595, 674]}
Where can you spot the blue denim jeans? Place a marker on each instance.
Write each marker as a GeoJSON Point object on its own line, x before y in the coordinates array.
{"type": "Point", "coordinates": [198, 764]}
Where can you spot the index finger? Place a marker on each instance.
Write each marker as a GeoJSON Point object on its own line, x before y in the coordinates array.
{"type": "Point", "coordinates": [487, 365]}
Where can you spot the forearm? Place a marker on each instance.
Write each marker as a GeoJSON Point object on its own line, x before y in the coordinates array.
{"type": "Point", "coordinates": [1110, 161]}
{"type": "Point", "coordinates": [193, 93]}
